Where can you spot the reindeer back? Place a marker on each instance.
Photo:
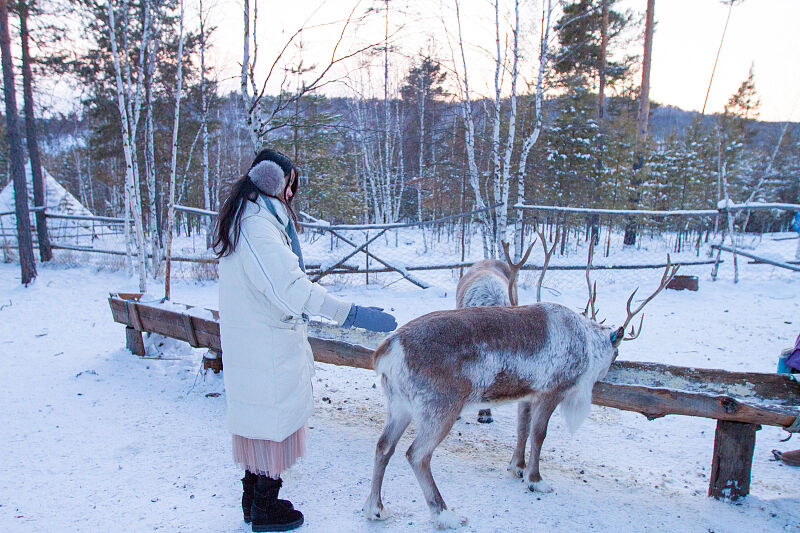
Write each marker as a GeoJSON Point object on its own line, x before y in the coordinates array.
{"type": "Point", "coordinates": [484, 284]}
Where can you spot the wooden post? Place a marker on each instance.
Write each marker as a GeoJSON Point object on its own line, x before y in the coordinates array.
{"type": "Point", "coordinates": [213, 361]}
{"type": "Point", "coordinates": [734, 443]}
{"type": "Point", "coordinates": [134, 341]}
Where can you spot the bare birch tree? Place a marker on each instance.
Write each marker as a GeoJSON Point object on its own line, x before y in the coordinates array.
{"type": "Point", "coordinates": [533, 136]}
{"type": "Point", "coordinates": [153, 184]}
{"type": "Point", "coordinates": [129, 103]}
{"type": "Point", "coordinates": [469, 140]}
{"type": "Point", "coordinates": [209, 223]}
{"type": "Point", "coordinates": [260, 115]}
{"type": "Point", "coordinates": [174, 162]}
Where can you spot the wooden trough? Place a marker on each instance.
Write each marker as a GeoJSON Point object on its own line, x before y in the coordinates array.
{"type": "Point", "coordinates": [741, 402]}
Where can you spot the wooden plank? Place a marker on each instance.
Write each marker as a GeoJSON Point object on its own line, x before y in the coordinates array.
{"type": "Point", "coordinates": [189, 328]}
{"type": "Point", "coordinates": [731, 466]}
{"type": "Point", "coordinates": [133, 315]}
{"type": "Point", "coordinates": [779, 387]}
{"type": "Point", "coordinates": [652, 389]}
{"type": "Point", "coordinates": [655, 403]}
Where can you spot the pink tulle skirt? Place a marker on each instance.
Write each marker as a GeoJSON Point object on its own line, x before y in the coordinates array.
{"type": "Point", "coordinates": [267, 457]}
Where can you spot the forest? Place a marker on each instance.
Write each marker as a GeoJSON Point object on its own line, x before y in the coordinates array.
{"type": "Point", "coordinates": [405, 137]}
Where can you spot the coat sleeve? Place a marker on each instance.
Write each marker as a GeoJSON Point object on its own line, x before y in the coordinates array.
{"type": "Point", "coordinates": [275, 271]}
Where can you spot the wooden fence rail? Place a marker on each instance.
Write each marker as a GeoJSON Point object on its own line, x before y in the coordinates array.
{"type": "Point", "coordinates": [740, 401]}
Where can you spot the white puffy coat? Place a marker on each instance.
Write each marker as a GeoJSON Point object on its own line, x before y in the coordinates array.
{"type": "Point", "coordinates": [263, 294]}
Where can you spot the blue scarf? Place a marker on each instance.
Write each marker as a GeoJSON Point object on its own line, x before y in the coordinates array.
{"type": "Point", "coordinates": [290, 230]}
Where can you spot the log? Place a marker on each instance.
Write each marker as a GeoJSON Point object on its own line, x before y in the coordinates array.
{"type": "Point", "coordinates": [657, 402]}
{"type": "Point", "coordinates": [734, 443]}
{"type": "Point", "coordinates": [652, 389]}
{"type": "Point", "coordinates": [679, 283]}
{"type": "Point", "coordinates": [736, 251]}
{"type": "Point", "coordinates": [340, 353]}
{"type": "Point", "coordinates": [213, 361]}
{"type": "Point", "coordinates": [134, 341]}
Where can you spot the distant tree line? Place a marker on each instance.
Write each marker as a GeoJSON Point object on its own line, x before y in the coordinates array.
{"type": "Point", "coordinates": [427, 148]}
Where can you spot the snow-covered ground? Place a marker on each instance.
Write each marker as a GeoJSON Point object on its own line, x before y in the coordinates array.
{"type": "Point", "coordinates": [96, 439]}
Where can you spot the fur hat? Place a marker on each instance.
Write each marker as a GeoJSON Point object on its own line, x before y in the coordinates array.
{"type": "Point", "coordinates": [269, 177]}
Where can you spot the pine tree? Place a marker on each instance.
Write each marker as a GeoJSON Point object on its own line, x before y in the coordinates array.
{"type": "Point", "coordinates": [24, 240]}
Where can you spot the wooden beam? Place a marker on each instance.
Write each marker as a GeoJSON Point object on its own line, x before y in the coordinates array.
{"type": "Point", "coordinates": [766, 260]}
{"type": "Point", "coordinates": [731, 466]}
{"type": "Point", "coordinates": [134, 341]}
{"type": "Point", "coordinates": [327, 270]}
{"type": "Point", "coordinates": [653, 389]}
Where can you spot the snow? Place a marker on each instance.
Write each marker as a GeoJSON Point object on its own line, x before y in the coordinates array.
{"type": "Point", "coordinates": [57, 199]}
{"type": "Point", "coordinates": [97, 439]}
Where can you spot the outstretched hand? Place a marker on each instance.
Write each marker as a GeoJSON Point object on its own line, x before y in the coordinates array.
{"type": "Point", "coordinates": [371, 318]}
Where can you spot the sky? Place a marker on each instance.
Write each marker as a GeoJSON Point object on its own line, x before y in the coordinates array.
{"type": "Point", "coordinates": [762, 33]}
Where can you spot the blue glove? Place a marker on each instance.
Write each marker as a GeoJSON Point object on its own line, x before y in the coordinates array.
{"type": "Point", "coordinates": [371, 318]}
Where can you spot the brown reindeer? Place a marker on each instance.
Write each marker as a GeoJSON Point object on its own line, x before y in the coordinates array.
{"type": "Point", "coordinates": [433, 366]}
{"type": "Point", "coordinates": [490, 282]}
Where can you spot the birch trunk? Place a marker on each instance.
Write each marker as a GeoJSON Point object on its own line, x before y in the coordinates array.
{"type": "Point", "coordinates": [469, 141]}
{"type": "Point", "coordinates": [497, 185]}
{"type": "Point", "coordinates": [174, 161]}
{"type": "Point", "coordinates": [421, 107]}
{"type": "Point", "coordinates": [153, 188]}
{"type": "Point", "coordinates": [502, 219]}
{"type": "Point", "coordinates": [27, 262]}
{"type": "Point", "coordinates": [531, 139]}
{"type": "Point", "coordinates": [204, 119]}
{"type": "Point", "coordinates": [131, 176]}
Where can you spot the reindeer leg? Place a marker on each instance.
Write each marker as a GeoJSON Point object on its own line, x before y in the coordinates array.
{"type": "Point", "coordinates": [541, 412]}
{"type": "Point", "coordinates": [517, 464]}
{"type": "Point", "coordinates": [432, 427]}
{"type": "Point", "coordinates": [397, 421]}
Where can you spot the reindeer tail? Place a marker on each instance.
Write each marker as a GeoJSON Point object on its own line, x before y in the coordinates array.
{"type": "Point", "coordinates": [380, 352]}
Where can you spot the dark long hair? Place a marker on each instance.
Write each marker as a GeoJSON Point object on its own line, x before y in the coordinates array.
{"type": "Point", "coordinates": [229, 222]}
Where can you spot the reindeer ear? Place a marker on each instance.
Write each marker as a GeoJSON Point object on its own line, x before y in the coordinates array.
{"type": "Point", "coordinates": [616, 337]}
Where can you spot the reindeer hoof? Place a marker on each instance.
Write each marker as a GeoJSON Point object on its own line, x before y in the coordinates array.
{"type": "Point", "coordinates": [540, 486]}
{"type": "Point", "coordinates": [376, 513]}
{"type": "Point", "coordinates": [447, 519]}
{"type": "Point", "coordinates": [516, 470]}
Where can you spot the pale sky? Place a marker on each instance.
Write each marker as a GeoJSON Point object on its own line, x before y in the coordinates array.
{"type": "Point", "coordinates": [761, 32]}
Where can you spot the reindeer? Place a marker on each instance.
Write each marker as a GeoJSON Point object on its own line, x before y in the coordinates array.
{"type": "Point", "coordinates": [436, 364]}
{"type": "Point", "coordinates": [490, 282]}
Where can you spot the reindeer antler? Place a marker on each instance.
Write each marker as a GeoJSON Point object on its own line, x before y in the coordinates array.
{"type": "Point", "coordinates": [515, 269]}
{"type": "Point", "coordinates": [669, 273]}
{"type": "Point", "coordinates": [547, 255]}
{"type": "Point", "coordinates": [592, 287]}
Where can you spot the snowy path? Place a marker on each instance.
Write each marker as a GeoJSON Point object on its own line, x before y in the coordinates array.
{"type": "Point", "coordinates": [99, 440]}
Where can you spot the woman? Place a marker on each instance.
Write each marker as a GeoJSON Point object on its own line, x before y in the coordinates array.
{"type": "Point", "coordinates": [264, 300]}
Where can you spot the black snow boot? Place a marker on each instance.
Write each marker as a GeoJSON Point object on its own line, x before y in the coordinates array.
{"type": "Point", "coordinates": [248, 490]}
{"type": "Point", "coordinates": [269, 515]}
